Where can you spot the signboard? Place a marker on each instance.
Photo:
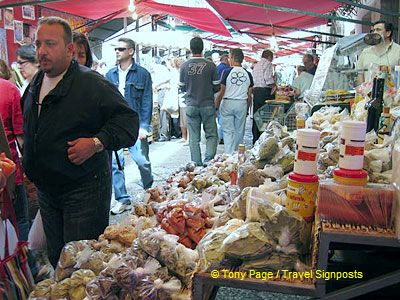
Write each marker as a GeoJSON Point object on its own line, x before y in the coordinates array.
{"type": "Point", "coordinates": [312, 96]}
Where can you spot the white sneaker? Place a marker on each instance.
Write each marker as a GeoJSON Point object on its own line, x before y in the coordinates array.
{"type": "Point", "coordinates": [119, 208]}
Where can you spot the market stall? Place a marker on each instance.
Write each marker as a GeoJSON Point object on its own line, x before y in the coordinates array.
{"type": "Point", "coordinates": [252, 213]}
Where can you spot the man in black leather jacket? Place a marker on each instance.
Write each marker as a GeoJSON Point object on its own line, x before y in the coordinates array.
{"type": "Point", "coordinates": [71, 116]}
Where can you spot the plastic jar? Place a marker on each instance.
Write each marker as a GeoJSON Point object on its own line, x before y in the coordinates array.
{"type": "Point", "coordinates": [301, 195]}
{"type": "Point", "coordinates": [350, 177]}
{"type": "Point", "coordinates": [301, 114]}
{"type": "Point", "coordinates": [352, 142]}
{"type": "Point", "coordinates": [307, 149]}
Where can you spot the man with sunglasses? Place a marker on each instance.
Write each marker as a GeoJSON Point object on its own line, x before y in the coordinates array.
{"type": "Point", "coordinates": [72, 115]}
{"type": "Point", "coordinates": [135, 84]}
{"type": "Point", "coordinates": [386, 53]}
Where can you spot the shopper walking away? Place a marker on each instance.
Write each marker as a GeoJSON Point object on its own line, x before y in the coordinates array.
{"type": "Point", "coordinates": [199, 79]}
{"type": "Point", "coordinates": [223, 65]}
{"type": "Point", "coordinates": [71, 115]}
{"type": "Point", "coordinates": [264, 86]}
{"type": "Point", "coordinates": [134, 83]}
{"type": "Point", "coordinates": [236, 96]}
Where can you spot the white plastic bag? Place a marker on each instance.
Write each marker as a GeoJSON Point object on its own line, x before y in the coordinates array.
{"type": "Point", "coordinates": [171, 103]}
{"type": "Point", "coordinates": [12, 238]}
{"type": "Point", "coordinates": [36, 237]}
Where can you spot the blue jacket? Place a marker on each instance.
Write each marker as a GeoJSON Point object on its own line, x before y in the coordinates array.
{"type": "Point", "coordinates": [138, 92]}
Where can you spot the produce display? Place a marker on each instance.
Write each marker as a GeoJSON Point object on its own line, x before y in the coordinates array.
{"type": "Point", "coordinates": [200, 220]}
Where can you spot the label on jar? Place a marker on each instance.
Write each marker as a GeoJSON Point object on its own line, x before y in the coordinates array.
{"type": "Point", "coordinates": [354, 151]}
{"type": "Point", "coordinates": [307, 156]}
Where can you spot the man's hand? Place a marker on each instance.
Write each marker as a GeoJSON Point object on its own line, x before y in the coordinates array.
{"type": "Point", "coordinates": [80, 150]}
{"type": "Point", "coordinates": [143, 133]}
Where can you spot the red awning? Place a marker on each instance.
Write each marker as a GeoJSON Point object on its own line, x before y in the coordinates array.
{"type": "Point", "coordinates": [240, 12]}
{"type": "Point", "coordinates": [201, 18]}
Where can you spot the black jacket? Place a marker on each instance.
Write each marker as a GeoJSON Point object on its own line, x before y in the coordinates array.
{"type": "Point", "coordinates": [83, 104]}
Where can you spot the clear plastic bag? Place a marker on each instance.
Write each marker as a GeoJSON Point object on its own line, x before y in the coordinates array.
{"type": "Point", "coordinates": [248, 242]}
{"type": "Point", "coordinates": [158, 289]}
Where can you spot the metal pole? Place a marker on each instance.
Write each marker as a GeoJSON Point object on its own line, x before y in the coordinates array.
{"type": "Point", "coordinates": [286, 37]}
{"type": "Point", "coordinates": [296, 11]}
{"type": "Point", "coordinates": [370, 8]}
{"type": "Point", "coordinates": [125, 24]}
{"type": "Point", "coordinates": [284, 27]}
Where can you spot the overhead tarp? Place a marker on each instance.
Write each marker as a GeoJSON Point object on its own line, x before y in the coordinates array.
{"type": "Point", "coordinates": [237, 11]}
{"type": "Point", "coordinates": [202, 18]}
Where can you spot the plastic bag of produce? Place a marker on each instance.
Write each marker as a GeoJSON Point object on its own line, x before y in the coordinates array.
{"type": "Point", "coordinates": [266, 147]}
{"type": "Point", "coordinates": [249, 175]}
{"type": "Point", "coordinates": [237, 209]}
{"type": "Point", "coordinates": [158, 289]}
{"type": "Point", "coordinates": [78, 282]}
{"type": "Point", "coordinates": [209, 248]}
{"type": "Point", "coordinates": [150, 239]}
{"type": "Point", "coordinates": [102, 288]}
{"type": "Point", "coordinates": [286, 228]}
{"type": "Point", "coordinates": [128, 278]}
{"type": "Point", "coordinates": [60, 290]}
{"type": "Point", "coordinates": [248, 242]}
{"type": "Point", "coordinates": [177, 258]}
{"type": "Point", "coordinates": [42, 290]}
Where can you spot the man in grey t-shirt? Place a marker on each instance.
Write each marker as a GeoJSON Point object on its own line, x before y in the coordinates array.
{"type": "Point", "coordinates": [199, 79]}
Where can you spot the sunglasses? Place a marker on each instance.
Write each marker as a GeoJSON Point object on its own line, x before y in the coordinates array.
{"type": "Point", "coordinates": [22, 62]}
{"type": "Point", "coordinates": [120, 49]}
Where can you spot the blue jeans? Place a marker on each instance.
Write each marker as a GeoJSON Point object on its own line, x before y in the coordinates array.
{"type": "Point", "coordinates": [233, 113]}
{"type": "Point", "coordinates": [78, 211]}
{"type": "Point", "coordinates": [21, 212]}
{"type": "Point", "coordinates": [140, 154]}
{"type": "Point", "coordinates": [196, 116]}
{"type": "Point", "coordinates": [220, 128]}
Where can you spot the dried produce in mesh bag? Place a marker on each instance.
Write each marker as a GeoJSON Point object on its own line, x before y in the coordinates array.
{"type": "Point", "coordinates": [42, 289]}
{"type": "Point", "coordinates": [247, 242]}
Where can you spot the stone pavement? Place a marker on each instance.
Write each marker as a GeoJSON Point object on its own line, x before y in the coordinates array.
{"type": "Point", "coordinates": [166, 157]}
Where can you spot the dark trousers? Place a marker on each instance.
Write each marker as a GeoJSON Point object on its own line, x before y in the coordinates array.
{"type": "Point", "coordinates": [76, 212]}
{"type": "Point", "coordinates": [259, 97]}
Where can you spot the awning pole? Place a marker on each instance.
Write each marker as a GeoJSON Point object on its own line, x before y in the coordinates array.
{"type": "Point", "coordinates": [125, 24]}
{"type": "Point", "coordinates": [286, 37]}
{"type": "Point", "coordinates": [285, 27]}
{"type": "Point", "coordinates": [370, 8]}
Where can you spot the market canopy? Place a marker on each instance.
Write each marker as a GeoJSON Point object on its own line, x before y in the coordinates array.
{"type": "Point", "coordinates": [202, 18]}
{"type": "Point", "coordinates": [276, 16]}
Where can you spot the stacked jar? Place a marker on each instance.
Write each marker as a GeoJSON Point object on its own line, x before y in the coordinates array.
{"type": "Point", "coordinates": [303, 181]}
{"type": "Point", "coordinates": [351, 159]}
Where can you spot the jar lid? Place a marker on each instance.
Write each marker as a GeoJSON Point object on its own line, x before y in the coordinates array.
{"type": "Point", "coordinates": [350, 173]}
{"type": "Point", "coordinates": [303, 178]}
